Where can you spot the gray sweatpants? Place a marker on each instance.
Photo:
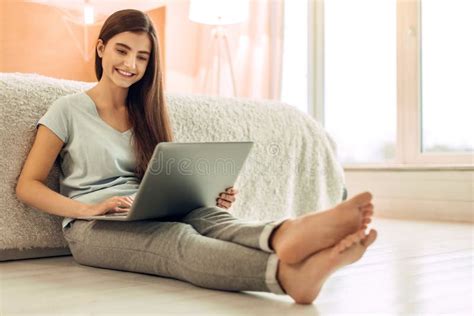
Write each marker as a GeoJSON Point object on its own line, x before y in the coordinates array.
{"type": "Point", "coordinates": [209, 248]}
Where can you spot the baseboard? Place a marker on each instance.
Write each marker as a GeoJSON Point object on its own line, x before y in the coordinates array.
{"type": "Point", "coordinates": [443, 195]}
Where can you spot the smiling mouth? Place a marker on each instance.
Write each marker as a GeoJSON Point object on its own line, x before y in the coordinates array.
{"type": "Point", "coordinates": [124, 73]}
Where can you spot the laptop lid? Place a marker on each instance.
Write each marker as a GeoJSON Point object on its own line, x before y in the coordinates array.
{"type": "Point", "coordinates": [182, 177]}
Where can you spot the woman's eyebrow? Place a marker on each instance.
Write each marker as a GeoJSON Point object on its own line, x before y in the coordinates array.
{"type": "Point", "coordinates": [128, 47]}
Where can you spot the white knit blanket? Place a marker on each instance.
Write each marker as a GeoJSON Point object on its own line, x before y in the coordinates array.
{"type": "Point", "coordinates": [292, 168]}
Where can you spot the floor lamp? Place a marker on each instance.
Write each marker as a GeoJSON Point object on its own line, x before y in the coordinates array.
{"type": "Point", "coordinates": [219, 13]}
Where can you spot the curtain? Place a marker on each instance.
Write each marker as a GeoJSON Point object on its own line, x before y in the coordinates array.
{"type": "Point", "coordinates": [255, 48]}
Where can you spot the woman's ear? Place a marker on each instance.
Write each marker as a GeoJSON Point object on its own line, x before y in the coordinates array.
{"type": "Point", "coordinates": [100, 48]}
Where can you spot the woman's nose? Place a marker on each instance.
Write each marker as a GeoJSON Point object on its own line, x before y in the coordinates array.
{"type": "Point", "coordinates": [130, 62]}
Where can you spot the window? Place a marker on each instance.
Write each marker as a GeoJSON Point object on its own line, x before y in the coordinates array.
{"type": "Point", "coordinates": [434, 94]}
{"type": "Point", "coordinates": [391, 80]}
{"type": "Point", "coordinates": [360, 66]}
{"type": "Point", "coordinates": [447, 76]}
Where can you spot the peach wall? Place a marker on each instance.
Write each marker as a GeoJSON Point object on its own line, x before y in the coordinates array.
{"type": "Point", "coordinates": [183, 48]}
{"type": "Point", "coordinates": [34, 39]}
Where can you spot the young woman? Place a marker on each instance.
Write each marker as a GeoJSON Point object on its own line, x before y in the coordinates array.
{"type": "Point", "coordinates": [105, 137]}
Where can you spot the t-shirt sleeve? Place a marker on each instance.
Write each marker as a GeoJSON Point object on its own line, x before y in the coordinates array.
{"type": "Point", "coordinates": [56, 119]}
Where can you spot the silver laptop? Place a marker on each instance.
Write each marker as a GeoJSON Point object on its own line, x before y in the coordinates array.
{"type": "Point", "coordinates": [181, 177]}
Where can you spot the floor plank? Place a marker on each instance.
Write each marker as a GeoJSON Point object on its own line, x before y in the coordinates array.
{"type": "Point", "coordinates": [419, 268]}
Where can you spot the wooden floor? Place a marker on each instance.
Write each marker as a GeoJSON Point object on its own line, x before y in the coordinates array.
{"type": "Point", "coordinates": [419, 268]}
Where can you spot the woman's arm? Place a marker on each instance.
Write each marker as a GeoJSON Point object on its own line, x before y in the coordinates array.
{"type": "Point", "coordinates": [31, 188]}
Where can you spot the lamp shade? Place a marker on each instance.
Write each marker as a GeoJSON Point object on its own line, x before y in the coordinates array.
{"type": "Point", "coordinates": [218, 12]}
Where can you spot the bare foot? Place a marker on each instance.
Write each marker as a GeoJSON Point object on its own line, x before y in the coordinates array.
{"type": "Point", "coordinates": [303, 281]}
{"type": "Point", "coordinates": [300, 237]}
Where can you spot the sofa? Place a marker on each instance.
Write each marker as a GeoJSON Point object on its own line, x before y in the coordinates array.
{"type": "Point", "coordinates": [291, 170]}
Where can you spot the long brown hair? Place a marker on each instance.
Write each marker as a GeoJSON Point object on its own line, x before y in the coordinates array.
{"type": "Point", "coordinates": [147, 109]}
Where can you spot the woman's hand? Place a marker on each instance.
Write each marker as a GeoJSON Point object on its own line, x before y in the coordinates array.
{"type": "Point", "coordinates": [226, 198]}
{"type": "Point", "coordinates": [115, 204]}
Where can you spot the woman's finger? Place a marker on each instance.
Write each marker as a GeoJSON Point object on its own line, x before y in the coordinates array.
{"type": "Point", "coordinates": [123, 203]}
{"type": "Point", "coordinates": [227, 197]}
{"type": "Point", "coordinates": [111, 205]}
{"type": "Point", "coordinates": [231, 190]}
{"type": "Point", "coordinates": [220, 203]}
{"type": "Point", "coordinates": [226, 204]}
{"type": "Point", "coordinates": [121, 210]}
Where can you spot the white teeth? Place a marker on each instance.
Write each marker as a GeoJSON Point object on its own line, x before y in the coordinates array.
{"type": "Point", "coordinates": [128, 74]}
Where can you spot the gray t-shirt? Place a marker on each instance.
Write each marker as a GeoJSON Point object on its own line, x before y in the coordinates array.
{"type": "Point", "coordinates": [97, 161]}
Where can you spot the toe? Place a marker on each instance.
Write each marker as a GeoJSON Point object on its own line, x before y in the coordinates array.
{"type": "Point", "coordinates": [351, 240]}
{"type": "Point", "coordinates": [347, 242]}
{"type": "Point", "coordinates": [367, 213]}
{"type": "Point", "coordinates": [359, 235]}
{"type": "Point", "coordinates": [355, 238]}
{"type": "Point", "coordinates": [360, 200]}
{"type": "Point", "coordinates": [370, 238]}
{"type": "Point", "coordinates": [340, 247]}
{"type": "Point", "coordinates": [336, 250]}
{"type": "Point", "coordinates": [363, 199]}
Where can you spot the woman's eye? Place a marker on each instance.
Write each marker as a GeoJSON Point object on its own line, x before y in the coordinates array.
{"type": "Point", "coordinates": [122, 52]}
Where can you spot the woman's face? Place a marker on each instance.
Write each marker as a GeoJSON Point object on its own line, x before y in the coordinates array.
{"type": "Point", "coordinates": [125, 57]}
